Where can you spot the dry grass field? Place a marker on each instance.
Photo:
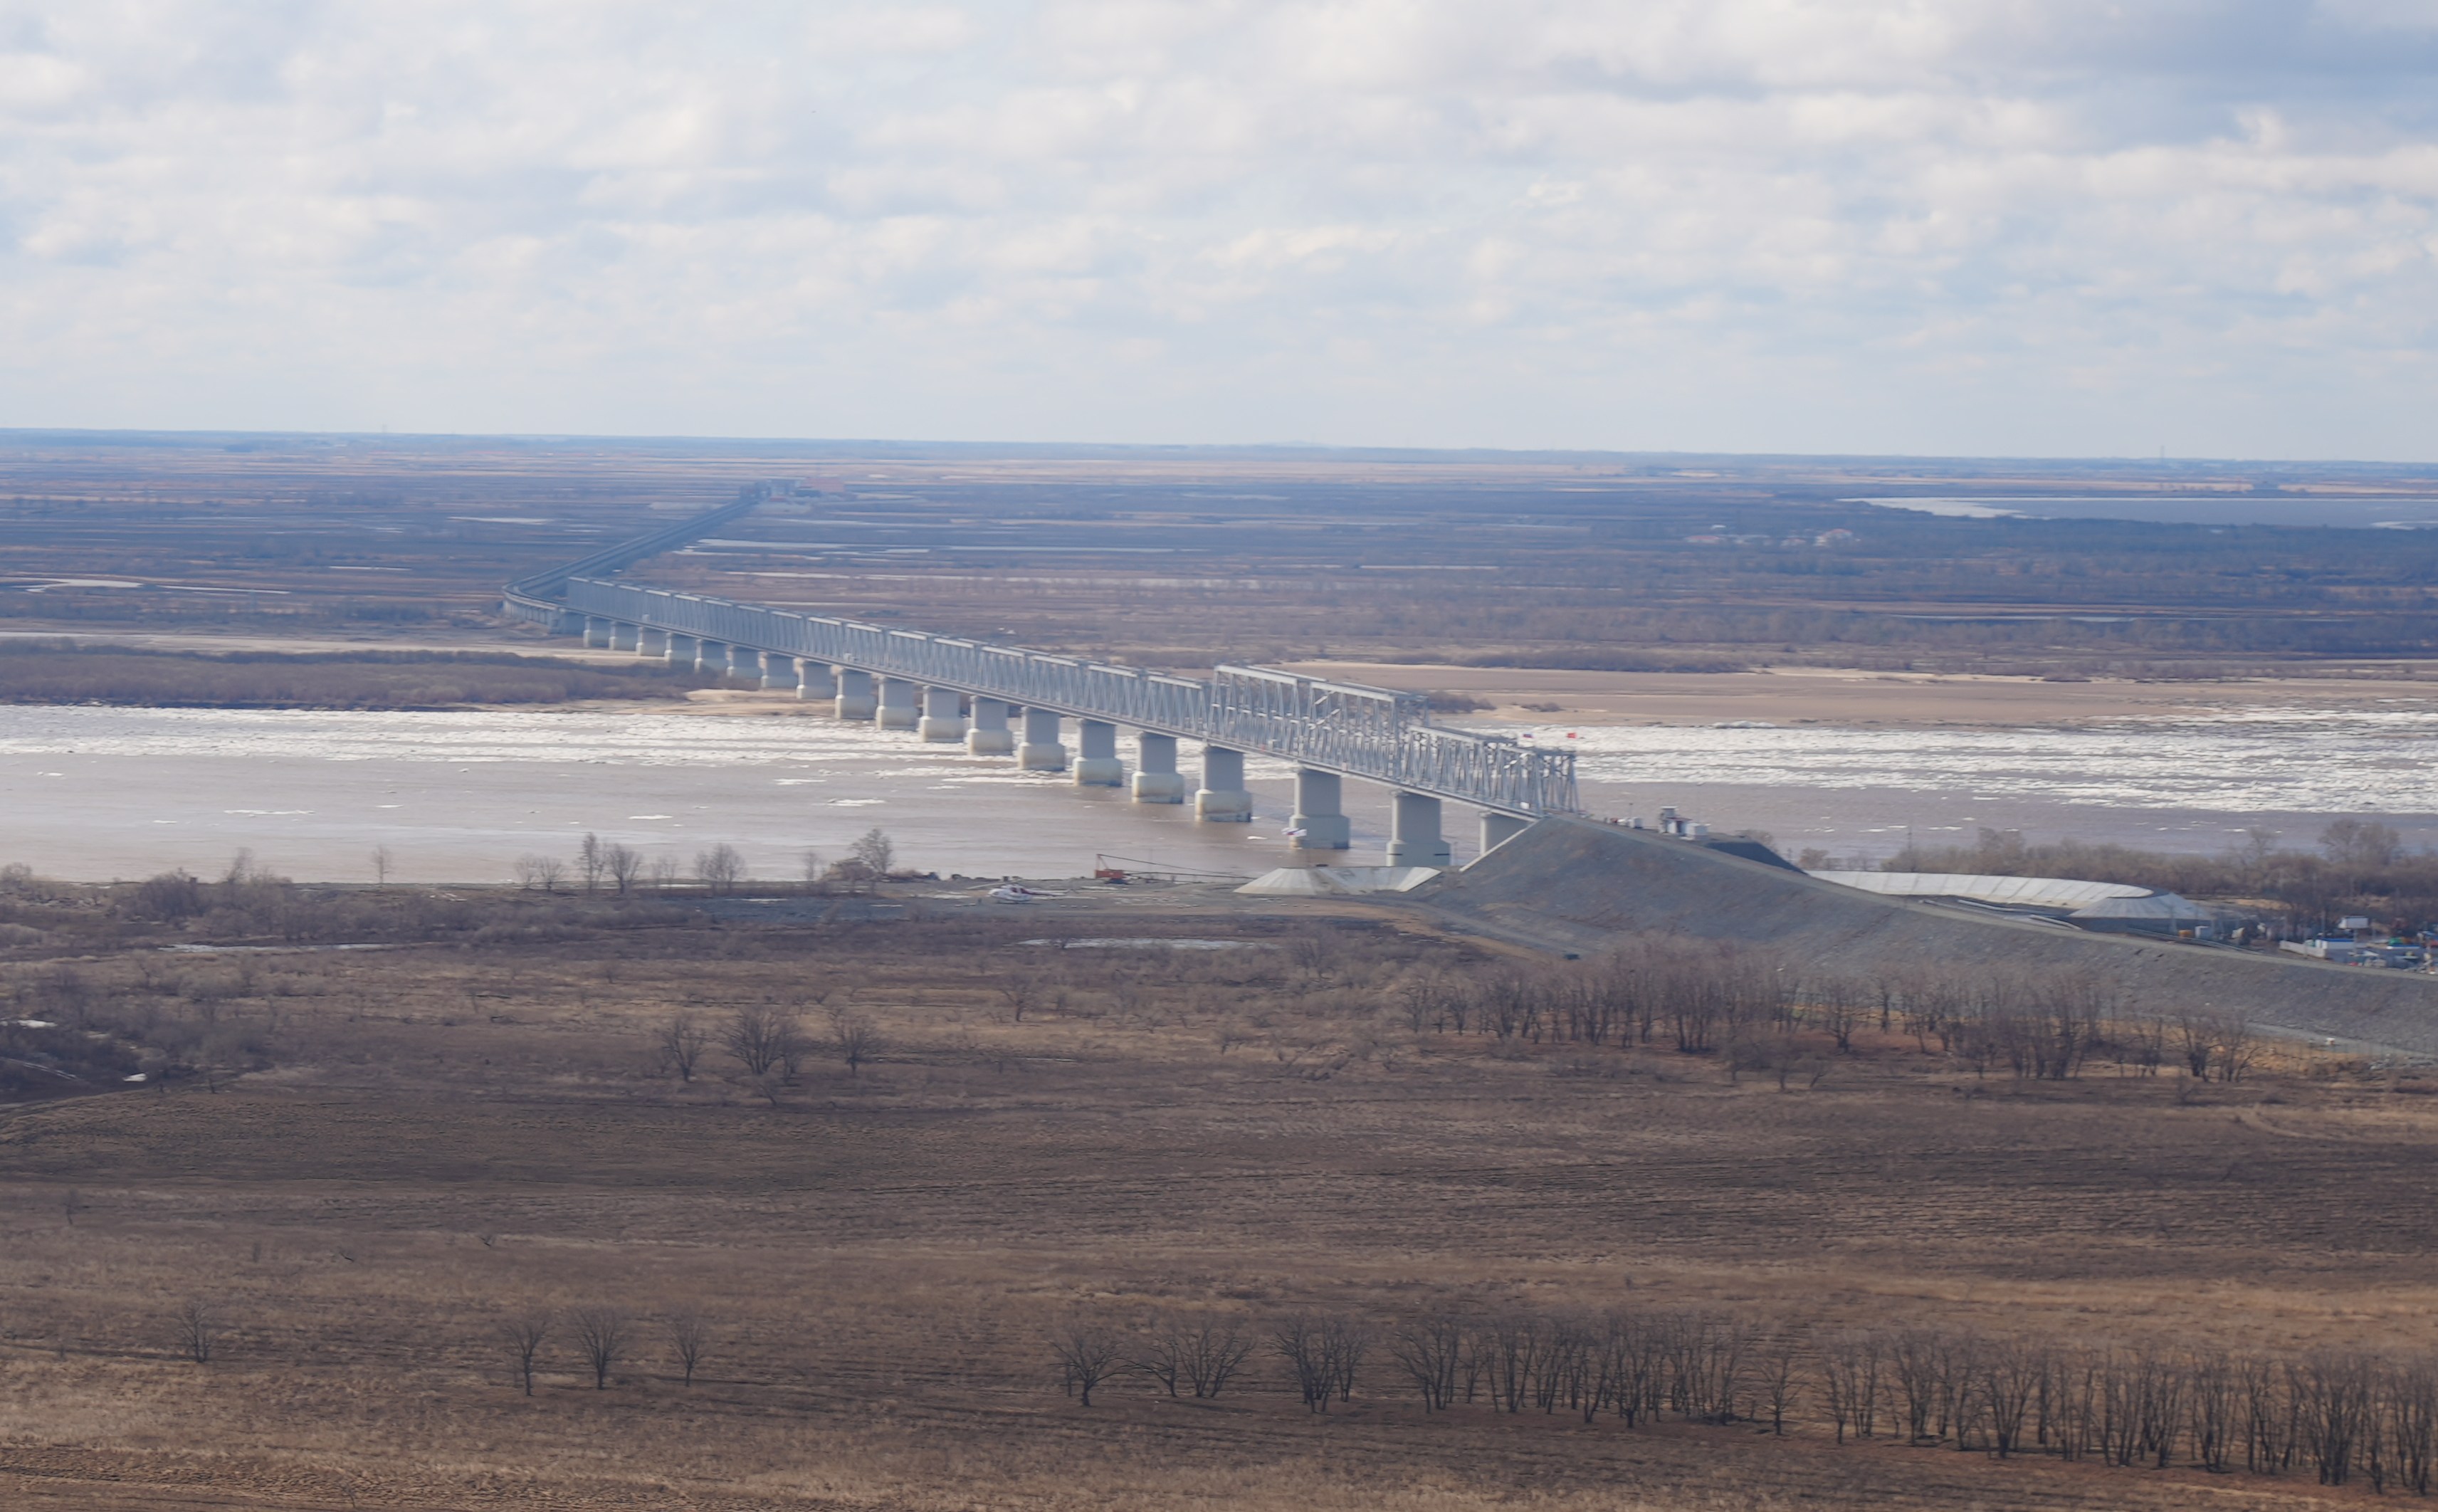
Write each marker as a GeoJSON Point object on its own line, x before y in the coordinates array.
{"type": "Point", "coordinates": [444, 1137]}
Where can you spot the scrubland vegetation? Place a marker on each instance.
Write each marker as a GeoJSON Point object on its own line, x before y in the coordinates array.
{"type": "Point", "coordinates": [597, 1199]}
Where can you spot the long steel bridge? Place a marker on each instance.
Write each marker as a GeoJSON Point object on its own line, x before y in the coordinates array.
{"type": "Point", "coordinates": [950, 688]}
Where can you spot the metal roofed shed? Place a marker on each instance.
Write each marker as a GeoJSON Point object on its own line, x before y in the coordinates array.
{"type": "Point", "coordinates": [2108, 907]}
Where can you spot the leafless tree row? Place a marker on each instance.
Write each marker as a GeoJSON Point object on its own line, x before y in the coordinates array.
{"type": "Point", "coordinates": [1698, 999]}
{"type": "Point", "coordinates": [2345, 1417]}
{"type": "Point", "coordinates": [602, 1338]}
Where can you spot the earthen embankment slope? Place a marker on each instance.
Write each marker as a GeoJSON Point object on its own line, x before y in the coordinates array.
{"type": "Point", "coordinates": [1575, 886]}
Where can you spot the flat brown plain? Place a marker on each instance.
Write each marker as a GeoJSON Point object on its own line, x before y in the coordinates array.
{"type": "Point", "coordinates": [455, 1135]}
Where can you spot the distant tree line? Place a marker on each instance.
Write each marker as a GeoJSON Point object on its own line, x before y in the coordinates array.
{"type": "Point", "coordinates": [46, 671]}
{"type": "Point", "coordinates": [2358, 867]}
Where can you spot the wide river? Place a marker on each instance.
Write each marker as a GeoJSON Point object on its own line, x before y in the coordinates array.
{"type": "Point", "coordinates": [96, 793]}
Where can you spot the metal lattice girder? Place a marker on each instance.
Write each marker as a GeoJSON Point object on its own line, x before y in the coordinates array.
{"type": "Point", "coordinates": [1373, 734]}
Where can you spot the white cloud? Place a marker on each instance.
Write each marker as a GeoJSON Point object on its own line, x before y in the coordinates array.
{"type": "Point", "coordinates": [1993, 225]}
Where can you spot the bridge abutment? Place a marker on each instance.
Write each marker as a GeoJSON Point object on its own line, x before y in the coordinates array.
{"type": "Point", "coordinates": [1319, 817]}
{"type": "Point", "coordinates": [1414, 836]}
{"type": "Point", "coordinates": [1497, 828]}
{"type": "Point", "coordinates": [944, 717]}
{"type": "Point", "coordinates": [1041, 751]}
{"type": "Point", "coordinates": [1222, 798]}
{"type": "Point", "coordinates": [1156, 779]}
{"type": "Point", "coordinates": [990, 735]}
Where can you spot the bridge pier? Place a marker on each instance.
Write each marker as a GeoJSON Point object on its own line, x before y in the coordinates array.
{"type": "Point", "coordinates": [652, 643]}
{"type": "Point", "coordinates": [778, 671]}
{"type": "Point", "coordinates": [1414, 838]}
{"type": "Point", "coordinates": [944, 717]}
{"type": "Point", "coordinates": [623, 637]}
{"type": "Point", "coordinates": [1096, 754]}
{"type": "Point", "coordinates": [897, 709]}
{"type": "Point", "coordinates": [1156, 776]}
{"type": "Point", "coordinates": [1041, 751]}
{"type": "Point", "coordinates": [990, 735]}
{"type": "Point", "coordinates": [745, 666]}
{"type": "Point", "coordinates": [596, 632]}
{"type": "Point", "coordinates": [816, 680]}
{"type": "Point", "coordinates": [712, 657]}
{"type": "Point", "coordinates": [856, 699]}
{"type": "Point", "coordinates": [1318, 814]}
{"type": "Point", "coordinates": [681, 650]}
{"type": "Point", "coordinates": [1222, 798]}
{"type": "Point", "coordinates": [1497, 828]}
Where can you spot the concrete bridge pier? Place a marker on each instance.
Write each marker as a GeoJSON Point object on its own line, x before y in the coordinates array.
{"type": "Point", "coordinates": [1041, 751]}
{"type": "Point", "coordinates": [1096, 760]}
{"type": "Point", "coordinates": [856, 699]}
{"type": "Point", "coordinates": [897, 706]}
{"type": "Point", "coordinates": [816, 681]}
{"type": "Point", "coordinates": [1222, 798]}
{"type": "Point", "coordinates": [597, 633]}
{"type": "Point", "coordinates": [623, 637]}
{"type": "Point", "coordinates": [1318, 814]}
{"type": "Point", "coordinates": [745, 666]}
{"type": "Point", "coordinates": [1156, 776]}
{"type": "Point", "coordinates": [778, 671]}
{"type": "Point", "coordinates": [652, 643]}
{"type": "Point", "coordinates": [1497, 828]}
{"type": "Point", "coordinates": [1414, 838]}
{"type": "Point", "coordinates": [681, 650]}
{"type": "Point", "coordinates": [990, 735]}
{"type": "Point", "coordinates": [712, 657]}
{"type": "Point", "coordinates": [943, 715]}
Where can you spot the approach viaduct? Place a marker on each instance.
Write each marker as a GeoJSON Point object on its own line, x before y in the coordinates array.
{"type": "Point", "coordinates": [1006, 701]}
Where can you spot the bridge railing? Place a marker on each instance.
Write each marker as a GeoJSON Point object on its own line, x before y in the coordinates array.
{"type": "Point", "coordinates": [1374, 734]}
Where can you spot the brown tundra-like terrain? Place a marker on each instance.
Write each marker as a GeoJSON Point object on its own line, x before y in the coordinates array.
{"type": "Point", "coordinates": [902, 1175]}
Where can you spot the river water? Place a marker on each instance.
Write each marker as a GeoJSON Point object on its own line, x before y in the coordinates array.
{"type": "Point", "coordinates": [96, 793]}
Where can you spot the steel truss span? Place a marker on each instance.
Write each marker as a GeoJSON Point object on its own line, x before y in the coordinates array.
{"type": "Point", "coordinates": [1369, 733]}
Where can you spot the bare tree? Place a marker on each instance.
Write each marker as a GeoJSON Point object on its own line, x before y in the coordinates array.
{"type": "Point", "coordinates": [858, 1039]}
{"type": "Point", "coordinates": [198, 1328]}
{"type": "Point", "coordinates": [720, 869]}
{"type": "Point", "coordinates": [524, 1334]}
{"type": "Point", "coordinates": [1087, 1355]}
{"type": "Point", "coordinates": [812, 872]}
{"type": "Point", "coordinates": [382, 856]}
{"type": "Point", "coordinates": [876, 851]}
{"type": "Point", "coordinates": [760, 1035]}
{"type": "Point", "coordinates": [624, 864]}
{"type": "Point", "coordinates": [1301, 1343]}
{"type": "Point", "coordinates": [541, 874]}
{"type": "Point", "coordinates": [661, 873]}
{"type": "Point", "coordinates": [682, 1042]}
{"type": "Point", "coordinates": [690, 1336]}
{"type": "Point", "coordinates": [589, 861]}
{"type": "Point", "coordinates": [601, 1334]}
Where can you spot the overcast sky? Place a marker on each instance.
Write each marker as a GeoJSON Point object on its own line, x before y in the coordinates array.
{"type": "Point", "coordinates": [1976, 226]}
